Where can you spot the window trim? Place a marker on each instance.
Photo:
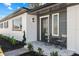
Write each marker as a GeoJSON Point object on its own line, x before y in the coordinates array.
{"type": "Point", "coordinates": [2, 25]}
{"type": "Point", "coordinates": [13, 23]}
{"type": "Point", "coordinates": [6, 23]}
{"type": "Point", "coordinates": [57, 24]}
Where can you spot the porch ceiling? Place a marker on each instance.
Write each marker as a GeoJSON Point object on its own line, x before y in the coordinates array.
{"type": "Point", "coordinates": [52, 7]}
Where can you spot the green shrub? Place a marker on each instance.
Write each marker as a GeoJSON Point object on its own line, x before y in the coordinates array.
{"type": "Point", "coordinates": [40, 51]}
{"type": "Point", "coordinates": [13, 40]}
{"type": "Point", "coordinates": [4, 37]}
{"type": "Point", "coordinates": [30, 47]}
{"type": "Point", "coordinates": [1, 36]}
{"type": "Point", "coordinates": [54, 53]}
{"type": "Point", "coordinates": [0, 46]}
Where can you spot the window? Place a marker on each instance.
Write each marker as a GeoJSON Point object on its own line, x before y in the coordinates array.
{"type": "Point", "coordinates": [6, 24]}
{"type": "Point", "coordinates": [17, 24]}
{"type": "Point", "coordinates": [1, 25]}
{"type": "Point", "coordinates": [55, 24]}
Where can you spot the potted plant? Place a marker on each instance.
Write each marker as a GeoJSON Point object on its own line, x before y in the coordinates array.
{"type": "Point", "coordinates": [54, 53]}
{"type": "Point", "coordinates": [40, 51]}
{"type": "Point", "coordinates": [30, 47]}
{"type": "Point", "coordinates": [24, 38]}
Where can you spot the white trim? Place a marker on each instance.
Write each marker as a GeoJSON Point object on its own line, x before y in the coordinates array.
{"type": "Point", "coordinates": [48, 25]}
{"type": "Point", "coordinates": [57, 24]}
{"type": "Point", "coordinates": [3, 25]}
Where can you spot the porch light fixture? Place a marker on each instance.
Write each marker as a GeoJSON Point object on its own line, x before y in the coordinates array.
{"type": "Point", "coordinates": [33, 20]}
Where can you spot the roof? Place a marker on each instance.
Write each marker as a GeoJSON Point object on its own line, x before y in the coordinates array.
{"type": "Point", "coordinates": [51, 6]}
{"type": "Point", "coordinates": [42, 6]}
{"type": "Point", "coordinates": [23, 10]}
{"type": "Point", "coordinates": [35, 10]}
{"type": "Point", "coordinates": [15, 13]}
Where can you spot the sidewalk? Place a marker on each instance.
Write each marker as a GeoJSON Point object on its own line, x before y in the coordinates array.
{"type": "Point", "coordinates": [16, 52]}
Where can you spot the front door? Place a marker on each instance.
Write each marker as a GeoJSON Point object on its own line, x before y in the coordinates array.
{"type": "Point", "coordinates": [44, 29]}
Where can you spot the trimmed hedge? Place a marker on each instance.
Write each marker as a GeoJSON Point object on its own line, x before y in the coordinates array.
{"type": "Point", "coordinates": [12, 40]}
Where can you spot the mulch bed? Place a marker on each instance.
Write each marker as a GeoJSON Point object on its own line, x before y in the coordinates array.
{"type": "Point", "coordinates": [32, 53]}
{"type": "Point", "coordinates": [7, 46]}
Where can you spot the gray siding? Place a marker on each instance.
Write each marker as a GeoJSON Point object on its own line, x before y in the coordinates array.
{"type": "Point", "coordinates": [62, 22]}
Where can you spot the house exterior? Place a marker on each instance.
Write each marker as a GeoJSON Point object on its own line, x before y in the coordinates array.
{"type": "Point", "coordinates": [16, 23]}
{"type": "Point", "coordinates": [45, 23]}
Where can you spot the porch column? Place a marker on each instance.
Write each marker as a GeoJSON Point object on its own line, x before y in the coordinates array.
{"type": "Point", "coordinates": [38, 28]}
{"type": "Point", "coordinates": [50, 23]}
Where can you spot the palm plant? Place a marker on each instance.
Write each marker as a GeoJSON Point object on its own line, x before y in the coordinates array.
{"type": "Point", "coordinates": [13, 41]}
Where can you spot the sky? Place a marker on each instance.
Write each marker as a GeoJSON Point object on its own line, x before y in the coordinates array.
{"type": "Point", "coordinates": [7, 8]}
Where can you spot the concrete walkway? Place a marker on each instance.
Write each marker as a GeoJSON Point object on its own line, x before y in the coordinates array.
{"type": "Point", "coordinates": [50, 48]}
{"type": "Point", "coordinates": [16, 52]}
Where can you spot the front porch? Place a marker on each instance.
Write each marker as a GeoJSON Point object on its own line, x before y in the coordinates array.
{"type": "Point", "coordinates": [52, 25]}
{"type": "Point", "coordinates": [47, 48]}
